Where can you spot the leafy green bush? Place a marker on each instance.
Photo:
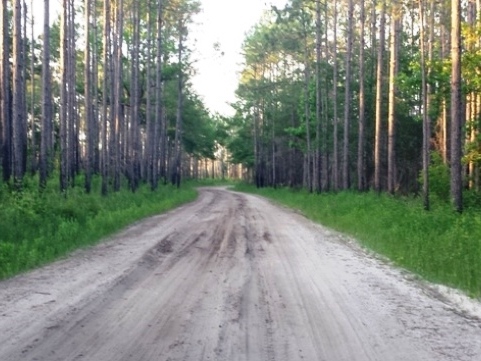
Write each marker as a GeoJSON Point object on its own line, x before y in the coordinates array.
{"type": "Point", "coordinates": [439, 178]}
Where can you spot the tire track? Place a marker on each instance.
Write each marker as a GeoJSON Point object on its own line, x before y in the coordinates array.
{"type": "Point", "coordinates": [230, 277]}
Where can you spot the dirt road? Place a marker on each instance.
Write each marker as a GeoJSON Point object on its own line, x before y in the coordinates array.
{"type": "Point", "coordinates": [229, 277]}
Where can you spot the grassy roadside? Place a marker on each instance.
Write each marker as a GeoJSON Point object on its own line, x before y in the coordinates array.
{"type": "Point", "coordinates": [440, 245]}
{"type": "Point", "coordinates": [39, 228]}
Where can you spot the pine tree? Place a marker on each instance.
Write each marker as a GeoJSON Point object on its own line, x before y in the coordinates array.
{"type": "Point", "coordinates": [456, 113]}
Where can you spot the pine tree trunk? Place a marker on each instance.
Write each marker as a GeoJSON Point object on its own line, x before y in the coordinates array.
{"type": "Point", "coordinates": [33, 142]}
{"type": "Point", "coordinates": [149, 146]}
{"type": "Point", "coordinates": [335, 151]}
{"type": "Point", "coordinates": [379, 81]}
{"type": "Point", "coordinates": [117, 83]}
{"type": "Point", "coordinates": [23, 61]}
{"type": "Point", "coordinates": [73, 119]}
{"type": "Point", "coordinates": [106, 94]}
{"type": "Point", "coordinates": [347, 99]}
{"type": "Point", "coordinates": [361, 159]}
{"type": "Point", "coordinates": [134, 100]}
{"type": "Point", "coordinates": [176, 164]}
{"type": "Point", "coordinates": [307, 115]}
{"type": "Point", "coordinates": [158, 124]}
{"type": "Point", "coordinates": [89, 158]}
{"type": "Point", "coordinates": [46, 128]}
{"type": "Point", "coordinates": [96, 127]}
{"type": "Point", "coordinates": [317, 161]}
{"type": "Point", "coordinates": [391, 151]}
{"type": "Point", "coordinates": [471, 111]}
{"type": "Point", "coordinates": [456, 112]}
{"type": "Point", "coordinates": [5, 98]}
{"type": "Point", "coordinates": [257, 165]}
{"type": "Point", "coordinates": [114, 102]}
{"type": "Point", "coordinates": [325, 176]}
{"type": "Point", "coordinates": [64, 98]}
{"type": "Point", "coordinates": [18, 129]}
{"type": "Point", "coordinates": [444, 121]}
{"type": "Point", "coordinates": [425, 107]}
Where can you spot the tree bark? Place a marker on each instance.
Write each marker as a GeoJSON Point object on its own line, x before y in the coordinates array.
{"type": "Point", "coordinates": [46, 127]}
{"type": "Point", "coordinates": [5, 98]}
{"type": "Point", "coordinates": [89, 158]}
{"type": "Point", "coordinates": [95, 91]}
{"type": "Point", "coordinates": [18, 129]}
{"type": "Point", "coordinates": [379, 81]}
{"type": "Point", "coordinates": [106, 97]}
{"type": "Point", "coordinates": [177, 162]}
{"type": "Point", "coordinates": [335, 151]}
{"type": "Point", "coordinates": [23, 61]}
{"type": "Point", "coordinates": [117, 83]}
{"type": "Point", "coordinates": [158, 147]}
{"type": "Point", "coordinates": [393, 65]}
{"type": "Point", "coordinates": [149, 142]}
{"type": "Point", "coordinates": [317, 160]}
{"type": "Point", "coordinates": [135, 99]}
{"type": "Point", "coordinates": [456, 112]}
{"type": "Point", "coordinates": [426, 120]}
{"type": "Point", "coordinates": [307, 113]}
{"type": "Point", "coordinates": [33, 142]}
{"type": "Point", "coordinates": [72, 114]}
{"type": "Point", "coordinates": [361, 159]}
{"type": "Point", "coordinates": [325, 176]}
{"type": "Point", "coordinates": [347, 98]}
{"type": "Point", "coordinates": [64, 168]}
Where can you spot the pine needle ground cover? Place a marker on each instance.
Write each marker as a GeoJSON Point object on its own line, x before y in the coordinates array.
{"type": "Point", "coordinates": [440, 245]}
{"type": "Point", "coordinates": [39, 228]}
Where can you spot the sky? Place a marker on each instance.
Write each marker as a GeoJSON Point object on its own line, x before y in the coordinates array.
{"type": "Point", "coordinates": [221, 21]}
{"type": "Point", "coordinates": [225, 22]}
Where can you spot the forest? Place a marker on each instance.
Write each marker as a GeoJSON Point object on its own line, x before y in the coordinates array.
{"type": "Point", "coordinates": [365, 117]}
{"type": "Point", "coordinates": [332, 96]}
{"type": "Point", "coordinates": [366, 95]}
{"type": "Point", "coordinates": [368, 99]}
{"type": "Point", "coordinates": [361, 118]}
{"type": "Point", "coordinates": [105, 91]}
{"type": "Point", "coordinates": [98, 117]}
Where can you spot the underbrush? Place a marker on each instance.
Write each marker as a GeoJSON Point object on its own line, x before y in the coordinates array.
{"type": "Point", "coordinates": [36, 228]}
{"type": "Point", "coordinates": [442, 246]}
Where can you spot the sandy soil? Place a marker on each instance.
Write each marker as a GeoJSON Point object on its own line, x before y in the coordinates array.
{"type": "Point", "coordinates": [230, 277]}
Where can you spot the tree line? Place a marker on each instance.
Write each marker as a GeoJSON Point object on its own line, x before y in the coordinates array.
{"type": "Point", "coordinates": [103, 91]}
{"type": "Point", "coordinates": [375, 94]}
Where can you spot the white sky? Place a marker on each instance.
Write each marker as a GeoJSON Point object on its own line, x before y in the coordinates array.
{"type": "Point", "coordinates": [221, 21]}
{"type": "Point", "coordinates": [225, 22]}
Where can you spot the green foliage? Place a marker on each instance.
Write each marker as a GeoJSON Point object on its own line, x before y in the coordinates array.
{"type": "Point", "coordinates": [241, 142]}
{"type": "Point", "coordinates": [38, 228]}
{"type": "Point", "coordinates": [199, 129]}
{"type": "Point", "coordinates": [441, 245]}
{"type": "Point", "coordinates": [439, 178]}
{"type": "Point", "coordinates": [472, 151]}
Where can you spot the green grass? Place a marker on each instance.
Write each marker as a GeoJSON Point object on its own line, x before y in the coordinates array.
{"type": "Point", "coordinates": [440, 245]}
{"type": "Point", "coordinates": [39, 228]}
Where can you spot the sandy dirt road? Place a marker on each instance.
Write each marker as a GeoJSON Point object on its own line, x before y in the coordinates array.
{"type": "Point", "coordinates": [229, 277]}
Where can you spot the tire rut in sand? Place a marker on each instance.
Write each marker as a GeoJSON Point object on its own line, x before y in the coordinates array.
{"type": "Point", "coordinates": [232, 277]}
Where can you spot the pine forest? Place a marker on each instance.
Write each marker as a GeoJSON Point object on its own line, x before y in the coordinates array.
{"type": "Point", "coordinates": [240, 180]}
{"type": "Point", "coordinates": [333, 95]}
